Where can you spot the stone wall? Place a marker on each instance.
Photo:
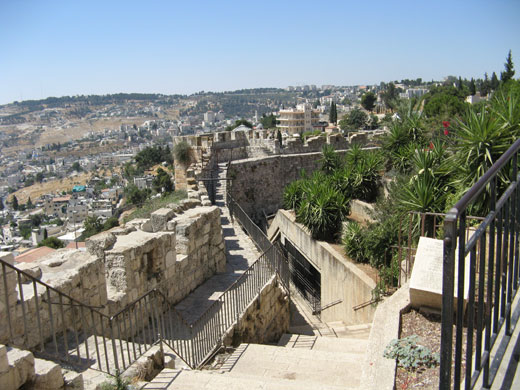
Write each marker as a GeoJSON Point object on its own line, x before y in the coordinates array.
{"type": "Point", "coordinates": [265, 320]}
{"type": "Point", "coordinates": [340, 278]}
{"type": "Point", "coordinates": [74, 273]}
{"type": "Point", "coordinates": [176, 250]}
{"type": "Point", "coordinates": [258, 184]}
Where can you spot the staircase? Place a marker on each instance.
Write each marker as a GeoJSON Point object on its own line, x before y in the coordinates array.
{"type": "Point", "coordinates": [297, 362]}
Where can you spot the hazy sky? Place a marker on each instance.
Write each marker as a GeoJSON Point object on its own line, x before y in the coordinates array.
{"type": "Point", "coordinates": [56, 48]}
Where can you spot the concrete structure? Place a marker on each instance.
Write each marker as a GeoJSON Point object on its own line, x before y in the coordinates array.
{"type": "Point", "coordinates": [299, 120]}
{"type": "Point", "coordinates": [341, 280]}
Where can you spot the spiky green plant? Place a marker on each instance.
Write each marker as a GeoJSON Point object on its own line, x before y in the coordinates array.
{"type": "Point", "coordinates": [322, 210]}
{"type": "Point", "coordinates": [330, 160]}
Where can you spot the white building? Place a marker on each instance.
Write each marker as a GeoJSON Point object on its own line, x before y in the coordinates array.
{"type": "Point", "coordinates": [298, 120]}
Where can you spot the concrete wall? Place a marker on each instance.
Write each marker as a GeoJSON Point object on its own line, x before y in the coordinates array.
{"type": "Point", "coordinates": [340, 278]}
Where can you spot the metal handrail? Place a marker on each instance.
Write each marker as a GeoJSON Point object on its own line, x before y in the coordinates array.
{"type": "Point", "coordinates": [118, 340]}
{"type": "Point", "coordinates": [491, 291]}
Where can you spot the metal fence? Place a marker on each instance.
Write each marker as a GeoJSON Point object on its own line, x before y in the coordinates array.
{"type": "Point", "coordinates": [56, 326]}
{"type": "Point", "coordinates": [59, 327]}
{"type": "Point", "coordinates": [493, 249]}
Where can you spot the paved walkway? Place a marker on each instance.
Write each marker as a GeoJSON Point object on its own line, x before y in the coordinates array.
{"type": "Point", "coordinates": [240, 254]}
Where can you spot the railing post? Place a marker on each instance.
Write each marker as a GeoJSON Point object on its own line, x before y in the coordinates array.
{"type": "Point", "coordinates": [448, 269]}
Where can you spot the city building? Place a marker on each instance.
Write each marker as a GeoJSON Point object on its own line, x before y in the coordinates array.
{"type": "Point", "coordinates": [298, 120]}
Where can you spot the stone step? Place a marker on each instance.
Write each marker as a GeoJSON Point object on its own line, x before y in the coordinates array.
{"type": "Point", "coordinates": [350, 345]}
{"type": "Point", "coordinates": [20, 368]}
{"type": "Point", "coordinates": [193, 379]}
{"type": "Point", "coordinates": [331, 368]}
{"type": "Point", "coordinates": [47, 375]}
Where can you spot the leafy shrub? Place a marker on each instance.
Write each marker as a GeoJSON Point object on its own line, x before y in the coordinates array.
{"type": "Point", "coordinates": [353, 241]}
{"type": "Point", "coordinates": [410, 355]}
{"type": "Point", "coordinates": [322, 209]}
{"type": "Point", "coordinates": [52, 242]}
{"type": "Point", "coordinates": [330, 160]}
{"type": "Point", "coordinates": [181, 152]}
{"type": "Point", "coordinates": [293, 195]}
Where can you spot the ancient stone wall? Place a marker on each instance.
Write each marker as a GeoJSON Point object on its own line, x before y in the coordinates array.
{"type": "Point", "coordinates": [74, 273]}
{"type": "Point", "coordinates": [258, 184]}
{"type": "Point", "coordinates": [265, 320]}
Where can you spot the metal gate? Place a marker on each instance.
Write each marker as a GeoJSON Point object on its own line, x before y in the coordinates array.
{"type": "Point", "coordinates": [305, 277]}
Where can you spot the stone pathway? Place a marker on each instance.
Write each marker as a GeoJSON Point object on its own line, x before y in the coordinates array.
{"type": "Point", "coordinates": [240, 254]}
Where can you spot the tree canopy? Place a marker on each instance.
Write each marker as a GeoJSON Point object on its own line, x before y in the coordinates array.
{"type": "Point", "coordinates": [368, 101]}
{"type": "Point", "coordinates": [509, 70]}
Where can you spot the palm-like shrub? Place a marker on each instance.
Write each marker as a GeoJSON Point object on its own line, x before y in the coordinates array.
{"type": "Point", "coordinates": [322, 209]}
{"type": "Point", "coordinates": [330, 160]}
{"type": "Point", "coordinates": [293, 195]}
{"type": "Point", "coordinates": [353, 242]}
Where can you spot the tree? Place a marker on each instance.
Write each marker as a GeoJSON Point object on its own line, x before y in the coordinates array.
{"type": "Point", "coordinates": [316, 103]}
{"type": "Point", "coordinates": [279, 137]}
{"type": "Point", "coordinates": [14, 202]}
{"type": "Point", "coordinates": [485, 86]}
{"type": "Point", "coordinates": [333, 113]}
{"type": "Point", "coordinates": [494, 83]}
{"type": "Point", "coordinates": [52, 242]}
{"type": "Point", "coordinates": [355, 120]}
{"type": "Point", "coordinates": [509, 71]}
{"type": "Point", "coordinates": [39, 177]}
{"type": "Point", "coordinates": [472, 86]}
{"type": "Point", "coordinates": [76, 167]}
{"type": "Point", "coordinates": [45, 234]}
{"type": "Point", "coordinates": [390, 95]}
{"type": "Point", "coordinates": [1, 205]}
{"type": "Point", "coordinates": [268, 121]}
{"type": "Point", "coordinates": [368, 101]}
{"type": "Point", "coordinates": [162, 182]}
{"type": "Point", "coordinates": [92, 226]}
{"type": "Point", "coordinates": [29, 205]}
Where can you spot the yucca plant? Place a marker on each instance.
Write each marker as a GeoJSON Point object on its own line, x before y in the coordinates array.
{"type": "Point", "coordinates": [322, 210]}
{"type": "Point", "coordinates": [293, 194]}
{"type": "Point", "coordinates": [330, 160]}
{"type": "Point", "coordinates": [353, 242]}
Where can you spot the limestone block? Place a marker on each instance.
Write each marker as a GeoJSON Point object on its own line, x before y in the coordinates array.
{"type": "Point", "coordinates": [160, 217]}
{"type": "Point", "coordinates": [22, 364]}
{"type": "Point", "coordinates": [96, 245]}
{"type": "Point", "coordinates": [73, 380]}
{"type": "Point", "coordinates": [48, 375]}
{"type": "Point", "coordinates": [427, 275]}
{"type": "Point", "coordinates": [4, 363]}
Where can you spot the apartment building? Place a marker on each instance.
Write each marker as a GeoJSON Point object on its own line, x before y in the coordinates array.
{"type": "Point", "coordinates": [298, 120]}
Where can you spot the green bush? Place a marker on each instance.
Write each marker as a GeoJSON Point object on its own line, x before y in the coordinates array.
{"type": "Point", "coordinates": [410, 355]}
{"type": "Point", "coordinates": [293, 195]}
{"type": "Point", "coordinates": [181, 152]}
{"type": "Point", "coordinates": [322, 210]}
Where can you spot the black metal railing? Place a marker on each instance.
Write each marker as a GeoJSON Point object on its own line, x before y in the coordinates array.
{"type": "Point", "coordinates": [494, 250]}
{"type": "Point", "coordinates": [62, 328]}
{"type": "Point", "coordinates": [252, 229]}
{"type": "Point", "coordinates": [57, 326]}
{"type": "Point", "coordinates": [416, 224]}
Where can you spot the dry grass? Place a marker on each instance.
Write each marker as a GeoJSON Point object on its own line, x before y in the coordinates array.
{"type": "Point", "coordinates": [52, 186]}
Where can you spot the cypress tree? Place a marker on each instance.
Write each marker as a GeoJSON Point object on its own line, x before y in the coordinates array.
{"type": "Point", "coordinates": [14, 202]}
{"type": "Point", "coordinates": [472, 87]}
{"type": "Point", "coordinates": [509, 71]}
{"type": "Point", "coordinates": [494, 83]}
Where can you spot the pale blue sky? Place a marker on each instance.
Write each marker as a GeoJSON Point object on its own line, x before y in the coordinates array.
{"type": "Point", "coordinates": [56, 48]}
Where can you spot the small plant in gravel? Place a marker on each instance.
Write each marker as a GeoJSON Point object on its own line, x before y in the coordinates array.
{"type": "Point", "coordinates": [116, 383]}
{"type": "Point", "coordinates": [410, 355]}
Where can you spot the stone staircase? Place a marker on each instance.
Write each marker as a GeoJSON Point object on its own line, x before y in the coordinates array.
{"type": "Point", "coordinates": [20, 368]}
{"type": "Point", "coordinates": [297, 362]}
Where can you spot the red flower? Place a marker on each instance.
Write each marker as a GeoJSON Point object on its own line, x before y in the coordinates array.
{"type": "Point", "coordinates": [431, 145]}
{"type": "Point", "coordinates": [446, 131]}
{"type": "Point", "coordinates": [446, 123]}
